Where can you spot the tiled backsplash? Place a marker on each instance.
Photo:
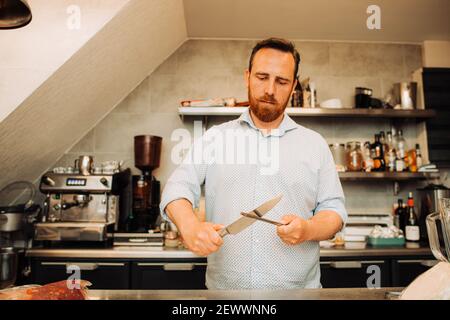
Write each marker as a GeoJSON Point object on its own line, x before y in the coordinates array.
{"type": "Point", "coordinates": [214, 68]}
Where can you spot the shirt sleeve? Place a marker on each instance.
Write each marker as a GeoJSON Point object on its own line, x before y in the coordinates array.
{"type": "Point", "coordinates": [186, 181]}
{"type": "Point", "coordinates": [330, 193]}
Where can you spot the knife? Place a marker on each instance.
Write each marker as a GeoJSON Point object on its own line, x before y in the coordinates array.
{"type": "Point", "coordinates": [243, 222]}
{"type": "Point", "coordinates": [249, 215]}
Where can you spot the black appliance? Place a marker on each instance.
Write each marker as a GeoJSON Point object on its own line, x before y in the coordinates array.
{"type": "Point", "coordinates": [140, 204]}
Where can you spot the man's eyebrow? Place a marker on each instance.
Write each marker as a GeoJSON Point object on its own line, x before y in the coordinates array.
{"type": "Point", "coordinates": [277, 77]}
{"type": "Point", "coordinates": [284, 79]}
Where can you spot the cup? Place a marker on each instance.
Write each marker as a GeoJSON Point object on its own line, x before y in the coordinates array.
{"type": "Point", "coordinates": [97, 170]}
{"type": "Point", "coordinates": [59, 170]}
{"type": "Point", "coordinates": [70, 170]}
{"type": "Point", "coordinates": [110, 167]}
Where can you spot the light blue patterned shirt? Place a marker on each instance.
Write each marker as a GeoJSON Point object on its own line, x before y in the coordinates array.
{"type": "Point", "coordinates": [301, 169]}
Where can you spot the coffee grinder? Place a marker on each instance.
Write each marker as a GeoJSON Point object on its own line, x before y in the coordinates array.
{"type": "Point", "coordinates": [146, 188]}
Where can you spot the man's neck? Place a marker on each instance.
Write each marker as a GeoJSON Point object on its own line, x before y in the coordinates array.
{"type": "Point", "coordinates": [267, 126]}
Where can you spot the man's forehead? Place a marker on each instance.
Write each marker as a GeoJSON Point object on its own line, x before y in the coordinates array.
{"type": "Point", "coordinates": [268, 60]}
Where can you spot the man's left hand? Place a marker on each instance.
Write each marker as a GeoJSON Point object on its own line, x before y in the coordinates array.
{"type": "Point", "coordinates": [295, 231]}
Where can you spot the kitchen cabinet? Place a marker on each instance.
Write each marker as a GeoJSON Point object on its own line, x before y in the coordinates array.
{"type": "Point", "coordinates": [102, 274]}
{"type": "Point", "coordinates": [124, 273]}
{"type": "Point", "coordinates": [355, 273]}
{"type": "Point", "coordinates": [343, 269]}
{"type": "Point", "coordinates": [168, 275]}
{"type": "Point", "coordinates": [404, 271]}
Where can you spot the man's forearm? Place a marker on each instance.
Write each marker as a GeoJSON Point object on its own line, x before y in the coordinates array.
{"type": "Point", "coordinates": [181, 213]}
{"type": "Point", "coordinates": [324, 225]}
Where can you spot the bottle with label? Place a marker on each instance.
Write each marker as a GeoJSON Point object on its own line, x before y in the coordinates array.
{"type": "Point", "coordinates": [400, 148]}
{"type": "Point", "coordinates": [378, 160]}
{"type": "Point", "coordinates": [390, 157]}
{"type": "Point", "coordinates": [401, 145]}
{"type": "Point", "coordinates": [383, 143]}
{"type": "Point", "coordinates": [412, 231]}
{"type": "Point", "coordinates": [367, 159]}
{"type": "Point", "coordinates": [399, 164]}
{"type": "Point", "coordinates": [399, 215]}
{"type": "Point", "coordinates": [394, 137]}
{"type": "Point", "coordinates": [419, 162]}
{"type": "Point", "coordinates": [412, 160]}
{"type": "Point", "coordinates": [296, 100]}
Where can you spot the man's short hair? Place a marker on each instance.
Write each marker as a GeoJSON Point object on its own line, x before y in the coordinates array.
{"type": "Point", "coordinates": [277, 44]}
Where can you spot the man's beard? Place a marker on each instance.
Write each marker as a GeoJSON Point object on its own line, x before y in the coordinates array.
{"type": "Point", "coordinates": [266, 112]}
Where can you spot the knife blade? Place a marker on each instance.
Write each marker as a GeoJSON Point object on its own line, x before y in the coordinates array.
{"type": "Point", "coordinates": [249, 215]}
{"type": "Point", "coordinates": [266, 207]}
{"type": "Point", "coordinates": [244, 222]}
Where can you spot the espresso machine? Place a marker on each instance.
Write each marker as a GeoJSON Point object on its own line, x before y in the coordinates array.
{"type": "Point", "coordinates": [146, 190]}
{"type": "Point", "coordinates": [80, 209]}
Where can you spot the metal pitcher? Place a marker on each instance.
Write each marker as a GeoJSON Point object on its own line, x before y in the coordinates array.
{"type": "Point", "coordinates": [84, 164]}
{"type": "Point", "coordinates": [444, 216]}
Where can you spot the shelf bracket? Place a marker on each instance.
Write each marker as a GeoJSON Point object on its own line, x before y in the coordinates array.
{"type": "Point", "coordinates": [396, 188]}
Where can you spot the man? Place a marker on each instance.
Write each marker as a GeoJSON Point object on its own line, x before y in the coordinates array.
{"type": "Point", "coordinates": [261, 256]}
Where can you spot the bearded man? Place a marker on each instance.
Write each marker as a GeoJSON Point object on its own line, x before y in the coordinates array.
{"type": "Point", "coordinates": [262, 256]}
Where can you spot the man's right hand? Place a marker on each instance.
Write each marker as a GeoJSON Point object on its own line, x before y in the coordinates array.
{"type": "Point", "coordinates": [202, 238]}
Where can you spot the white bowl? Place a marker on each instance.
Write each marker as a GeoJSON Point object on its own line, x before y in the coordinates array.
{"type": "Point", "coordinates": [331, 104]}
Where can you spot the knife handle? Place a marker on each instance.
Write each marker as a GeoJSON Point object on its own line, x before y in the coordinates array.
{"type": "Point", "coordinates": [223, 232]}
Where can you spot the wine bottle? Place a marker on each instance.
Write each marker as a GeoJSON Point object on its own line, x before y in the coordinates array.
{"type": "Point", "coordinates": [399, 219]}
{"type": "Point", "coordinates": [412, 226]}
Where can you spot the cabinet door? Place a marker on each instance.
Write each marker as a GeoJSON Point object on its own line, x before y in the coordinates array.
{"type": "Point", "coordinates": [354, 274]}
{"type": "Point", "coordinates": [405, 271]}
{"type": "Point", "coordinates": [102, 275]}
{"type": "Point", "coordinates": [168, 275]}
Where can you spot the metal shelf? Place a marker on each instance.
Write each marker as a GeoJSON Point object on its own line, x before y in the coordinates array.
{"type": "Point", "coordinates": [388, 176]}
{"type": "Point", "coordinates": [314, 112]}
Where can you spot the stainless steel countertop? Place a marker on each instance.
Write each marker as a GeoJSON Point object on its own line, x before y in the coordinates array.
{"type": "Point", "coordinates": [350, 250]}
{"type": "Point", "coordinates": [294, 294]}
{"type": "Point", "coordinates": [121, 252]}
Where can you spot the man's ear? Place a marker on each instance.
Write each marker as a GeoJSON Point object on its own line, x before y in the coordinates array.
{"type": "Point", "coordinates": [247, 78]}
{"type": "Point", "coordinates": [294, 85]}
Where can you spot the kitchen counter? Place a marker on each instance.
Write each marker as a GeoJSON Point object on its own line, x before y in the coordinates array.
{"type": "Point", "coordinates": [294, 294]}
{"type": "Point", "coordinates": [124, 252]}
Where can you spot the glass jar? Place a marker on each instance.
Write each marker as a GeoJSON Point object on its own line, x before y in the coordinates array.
{"type": "Point", "coordinates": [338, 152]}
{"type": "Point", "coordinates": [354, 156]}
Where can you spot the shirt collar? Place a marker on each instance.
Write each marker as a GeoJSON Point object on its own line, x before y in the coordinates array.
{"type": "Point", "coordinates": [286, 124]}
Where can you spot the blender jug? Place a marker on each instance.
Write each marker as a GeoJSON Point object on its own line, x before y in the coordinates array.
{"type": "Point", "coordinates": [444, 216]}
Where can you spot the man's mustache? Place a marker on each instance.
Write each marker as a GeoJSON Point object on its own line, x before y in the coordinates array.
{"type": "Point", "coordinates": [269, 99]}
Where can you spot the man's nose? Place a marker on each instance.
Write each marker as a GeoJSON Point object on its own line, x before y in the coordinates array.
{"type": "Point", "coordinates": [270, 88]}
